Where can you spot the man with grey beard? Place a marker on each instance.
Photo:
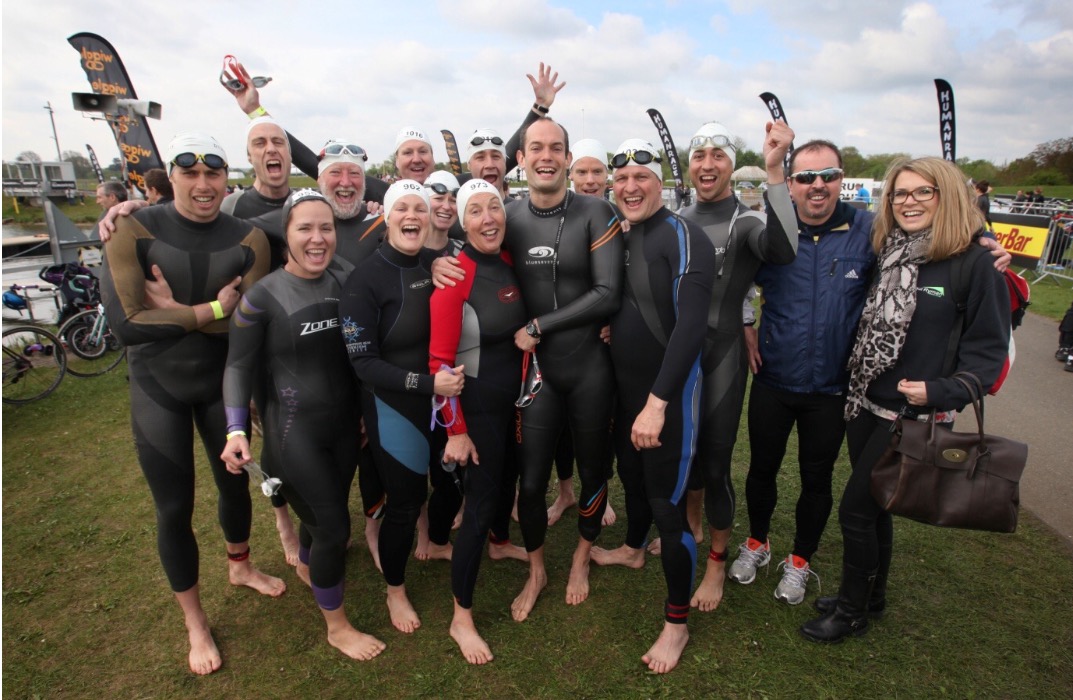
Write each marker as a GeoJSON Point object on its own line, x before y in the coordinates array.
{"type": "Point", "coordinates": [341, 178]}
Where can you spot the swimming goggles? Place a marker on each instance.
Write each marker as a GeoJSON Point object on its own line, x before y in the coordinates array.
{"type": "Point", "coordinates": [638, 156]}
{"type": "Point", "coordinates": [188, 160]}
{"type": "Point", "coordinates": [531, 381]}
{"type": "Point", "coordinates": [230, 77]}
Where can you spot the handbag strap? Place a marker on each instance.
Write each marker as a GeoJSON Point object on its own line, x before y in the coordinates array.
{"type": "Point", "coordinates": [976, 391]}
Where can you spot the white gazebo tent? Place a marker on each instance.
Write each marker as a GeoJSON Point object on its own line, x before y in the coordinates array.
{"type": "Point", "coordinates": [749, 172]}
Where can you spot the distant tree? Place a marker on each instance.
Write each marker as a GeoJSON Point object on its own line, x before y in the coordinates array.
{"type": "Point", "coordinates": [978, 169]}
{"type": "Point", "coordinates": [83, 168]}
{"type": "Point", "coordinates": [1056, 155]}
{"type": "Point", "coordinates": [875, 167]}
{"type": "Point", "coordinates": [747, 157]}
{"type": "Point", "coordinates": [853, 162]}
{"type": "Point", "coordinates": [30, 156]}
{"type": "Point", "coordinates": [1047, 176]}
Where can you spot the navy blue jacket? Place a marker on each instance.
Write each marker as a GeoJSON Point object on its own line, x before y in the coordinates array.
{"type": "Point", "coordinates": [811, 307]}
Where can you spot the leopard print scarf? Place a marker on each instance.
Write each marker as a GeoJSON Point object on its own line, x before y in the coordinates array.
{"type": "Point", "coordinates": [887, 313]}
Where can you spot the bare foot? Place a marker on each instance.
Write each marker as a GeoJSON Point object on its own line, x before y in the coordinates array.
{"type": "Point", "coordinates": [403, 615]}
{"type": "Point", "coordinates": [302, 570]}
{"type": "Point", "coordinates": [622, 556]}
{"type": "Point", "coordinates": [507, 551]}
{"type": "Point", "coordinates": [372, 539]}
{"type": "Point", "coordinates": [609, 516]}
{"type": "Point", "coordinates": [564, 501]}
{"type": "Point", "coordinates": [242, 573]}
{"type": "Point", "coordinates": [655, 547]}
{"type": "Point", "coordinates": [421, 552]}
{"type": "Point", "coordinates": [288, 537]}
{"type": "Point", "coordinates": [710, 591]}
{"type": "Point", "coordinates": [357, 645]}
{"type": "Point", "coordinates": [204, 656]}
{"type": "Point", "coordinates": [458, 516]}
{"type": "Point", "coordinates": [577, 587]}
{"type": "Point", "coordinates": [523, 604]}
{"type": "Point", "coordinates": [695, 513]}
{"type": "Point", "coordinates": [440, 551]}
{"type": "Point", "coordinates": [664, 654]}
{"type": "Point", "coordinates": [470, 642]}
{"type": "Point", "coordinates": [514, 510]}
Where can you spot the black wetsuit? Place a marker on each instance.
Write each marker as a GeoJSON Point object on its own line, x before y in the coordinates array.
{"type": "Point", "coordinates": [311, 424]}
{"type": "Point", "coordinates": [680, 264]}
{"type": "Point", "coordinates": [384, 314]}
{"type": "Point", "coordinates": [176, 369]}
{"type": "Point", "coordinates": [266, 213]}
{"type": "Point", "coordinates": [569, 262]}
{"type": "Point", "coordinates": [473, 324]}
{"type": "Point", "coordinates": [742, 243]}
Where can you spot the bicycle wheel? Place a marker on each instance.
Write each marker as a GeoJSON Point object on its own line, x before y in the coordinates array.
{"type": "Point", "coordinates": [92, 350]}
{"type": "Point", "coordinates": [34, 363]}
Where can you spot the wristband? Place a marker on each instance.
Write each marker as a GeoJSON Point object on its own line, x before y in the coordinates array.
{"type": "Point", "coordinates": [217, 310]}
{"type": "Point", "coordinates": [537, 107]}
{"type": "Point", "coordinates": [259, 112]}
{"type": "Point", "coordinates": [235, 433]}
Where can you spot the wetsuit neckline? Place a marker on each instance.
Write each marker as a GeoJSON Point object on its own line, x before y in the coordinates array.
{"type": "Point", "coordinates": [557, 210]}
{"type": "Point", "coordinates": [721, 207]}
{"type": "Point", "coordinates": [397, 257]}
{"type": "Point", "coordinates": [198, 226]}
{"type": "Point", "coordinates": [478, 256]}
{"type": "Point", "coordinates": [271, 200]}
{"type": "Point", "coordinates": [303, 280]}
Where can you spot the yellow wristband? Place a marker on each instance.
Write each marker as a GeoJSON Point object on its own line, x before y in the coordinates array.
{"type": "Point", "coordinates": [259, 112]}
{"type": "Point", "coordinates": [234, 433]}
{"type": "Point", "coordinates": [217, 310]}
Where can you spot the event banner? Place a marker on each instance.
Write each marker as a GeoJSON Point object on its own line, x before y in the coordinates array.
{"type": "Point", "coordinates": [1024, 235]}
{"type": "Point", "coordinates": [107, 76]}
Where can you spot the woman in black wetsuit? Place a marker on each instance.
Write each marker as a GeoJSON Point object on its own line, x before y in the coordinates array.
{"type": "Point", "coordinates": [290, 322]}
{"type": "Point", "coordinates": [474, 322]}
{"type": "Point", "coordinates": [385, 321]}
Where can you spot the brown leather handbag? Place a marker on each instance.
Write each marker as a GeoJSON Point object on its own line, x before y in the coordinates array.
{"type": "Point", "coordinates": [964, 480]}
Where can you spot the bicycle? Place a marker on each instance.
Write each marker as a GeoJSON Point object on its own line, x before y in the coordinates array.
{"type": "Point", "coordinates": [92, 347]}
{"type": "Point", "coordinates": [34, 363]}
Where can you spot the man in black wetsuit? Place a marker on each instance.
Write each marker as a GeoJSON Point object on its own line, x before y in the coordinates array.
{"type": "Point", "coordinates": [656, 341]}
{"type": "Point", "coordinates": [567, 253]}
{"type": "Point", "coordinates": [177, 347]}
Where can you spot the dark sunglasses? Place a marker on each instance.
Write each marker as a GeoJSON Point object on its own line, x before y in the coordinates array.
{"type": "Point", "coordinates": [440, 188]}
{"type": "Point", "coordinates": [188, 160]}
{"type": "Point", "coordinates": [807, 177]}
{"type": "Point", "coordinates": [619, 160]}
{"type": "Point", "coordinates": [340, 149]}
{"type": "Point", "coordinates": [531, 381]}
{"type": "Point", "coordinates": [478, 140]}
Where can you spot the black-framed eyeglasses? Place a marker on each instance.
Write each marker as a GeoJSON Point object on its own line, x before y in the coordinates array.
{"type": "Point", "coordinates": [440, 188]}
{"type": "Point", "coordinates": [478, 140]}
{"type": "Point", "coordinates": [531, 381]}
{"type": "Point", "coordinates": [639, 156]}
{"type": "Point", "coordinates": [807, 177]}
{"type": "Point", "coordinates": [920, 194]}
{"type": "Point", "coordinates": [336, 148]}
{"type": "Point", "coordinates": [716, 141]}
{"type": "Point", "coordinates": [188, 160]}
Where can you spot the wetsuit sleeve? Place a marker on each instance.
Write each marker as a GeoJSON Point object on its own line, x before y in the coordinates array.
{"type": "Point", "coordinates": [246, 337]}
{"type": "Point", "coordinates": [606, 266]}
{"type": "Point", "coordinates": [258, 260]}
{"type": "Point", "coordinates": [359, 308]}
{"type": "Point", "coordinates": [985, 337]}
{"type": "Point", "coordinates": [303, 158]}
{"type": "Point", "coordinates": [446, 307]}
{"type": "Point", "coordinates": [123, 291]}
{"type": "Point", "coordinates": [695, 266]}
{"type": "Point", "coordinates": [776, 243]}
{"type": "Point", "coordinates": [515, 142]}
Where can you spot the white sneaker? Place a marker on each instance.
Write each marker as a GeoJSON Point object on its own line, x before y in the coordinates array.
{"type": "Point", "coordinates": [794, 581]}
{"type": "Point", "coordinates": [751, 555]}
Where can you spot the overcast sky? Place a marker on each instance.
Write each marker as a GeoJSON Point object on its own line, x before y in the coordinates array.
{"type": "Point", "coordinates": [858, 73]}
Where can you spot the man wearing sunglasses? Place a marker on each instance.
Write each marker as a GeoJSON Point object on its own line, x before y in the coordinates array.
{"type": "Point", "coordinates": [657, 336]}
{"type": "Point", "coordinates": [176, 335]}
{"type": "Point", "coordinates": [742, 241]}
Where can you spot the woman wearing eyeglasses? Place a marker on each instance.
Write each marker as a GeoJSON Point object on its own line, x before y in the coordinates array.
{"type": "Point", "coordinates": [473, 324]}
{"type": "Point", "coordinates": [925, 221]}
{"type": "Point", "coordinates": [384, 314]}
{"type": "Point", "coordinates": [285, 333]}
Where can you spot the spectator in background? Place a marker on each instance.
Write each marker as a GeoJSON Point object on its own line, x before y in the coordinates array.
{"type": "Point", "coordinates": [158, 187]}
{"type": "Point", "coordinates": [983, 202]}
{"type": "Point", "coordinates": [863, 195]}
{"type": "Point", "coordinates": [110, 194]}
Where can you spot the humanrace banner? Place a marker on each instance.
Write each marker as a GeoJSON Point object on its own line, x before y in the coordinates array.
{"type": "Point", "coordinates": [107, 76]}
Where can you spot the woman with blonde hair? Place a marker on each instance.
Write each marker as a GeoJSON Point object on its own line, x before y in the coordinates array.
{"type": "Point", "coordinates": [926, 220]}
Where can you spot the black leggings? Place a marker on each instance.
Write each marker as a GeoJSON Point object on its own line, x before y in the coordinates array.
{"type": "Point", "coordinates": [489, 420]}
{"type": "Point", "coordinates": [820, 429]}
{"type": "Point", "coordinates": [723, 396]}
{"type": "Point", "coordinates": [577, 392]}
{"type": "Point", "coordinates": [867, 529]}
{"type": "Point", "coordinates": [164, 408]}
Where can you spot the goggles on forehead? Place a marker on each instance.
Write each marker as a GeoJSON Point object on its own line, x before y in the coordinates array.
{"type": "Point", "coordinates": [638, 156]}
{"type": "Point", "coordinates": [188, 160]}
{"type": "Point", "coordinates": [807, 177]}
{"type": "Point", "coordinates": [440, 188]}
{"type": "Point", "coordinates": [478, 140]}
{"type": "Point", "coordinates": [335, 148]}
{"type": "Point", "coordinates": [229, 76]}
{"type": "Point", "coordinates": [716, 141]}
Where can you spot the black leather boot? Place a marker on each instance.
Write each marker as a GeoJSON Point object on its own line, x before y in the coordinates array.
{"type": "Point", "coordinates": [877, 601]}
{"type": "Point", "coordinates": [850, 613]}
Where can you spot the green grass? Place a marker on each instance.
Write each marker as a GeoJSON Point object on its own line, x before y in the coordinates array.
{"type": "Point", "coordinates": [1050, 191]}
{"type": "Point", "coordinates": [1050, 296]}
{"type": "Point", "coordinates": [88, 613]}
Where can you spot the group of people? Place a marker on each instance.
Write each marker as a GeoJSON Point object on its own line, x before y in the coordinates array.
{"type": "Point", "coordinates": [432, 333]}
